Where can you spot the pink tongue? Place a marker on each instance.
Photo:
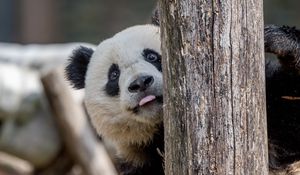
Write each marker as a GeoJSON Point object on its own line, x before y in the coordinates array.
{"type": "Point", "coordinates": [147, 99]}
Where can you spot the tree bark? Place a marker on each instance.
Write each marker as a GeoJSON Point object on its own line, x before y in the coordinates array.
{"type": "Point", "coordinates": [214, 87]}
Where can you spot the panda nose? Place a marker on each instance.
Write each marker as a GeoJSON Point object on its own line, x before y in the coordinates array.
{"type": "Point", "coordinates": [140, 84]}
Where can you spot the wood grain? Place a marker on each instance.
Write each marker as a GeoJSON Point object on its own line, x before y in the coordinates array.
{"type": "Point", "coordinates": [214, 87]}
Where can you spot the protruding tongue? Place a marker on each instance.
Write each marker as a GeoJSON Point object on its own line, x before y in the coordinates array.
{"type": "Point", "coordinates": [147, 99]}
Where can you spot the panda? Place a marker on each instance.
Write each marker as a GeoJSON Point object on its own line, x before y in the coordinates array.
{"type": "Point", "coordinates": [283, 99]}
{"type": "Point", "coordinates": [122, 78]}
{"type": "Point", "coordinates": [123, 96]}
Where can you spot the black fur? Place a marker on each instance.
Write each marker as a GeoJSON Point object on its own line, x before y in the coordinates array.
{"type": "Point", "coordinates": [155, 17]}
{"type": "Point", "coordinates": [153, 152]}
{"type": "Point", "coordinates": [76, 69]}
{"type": "Point", "coordinates": [112, 85]}
{"type": "Point", "coordinates": [148, 54]}
{"type": "Point", "coordinates": [283, 92]}
{"type": "Point", "coordinates": [285, 43]}
{"type": "Point", "coordinates": [283, 111]}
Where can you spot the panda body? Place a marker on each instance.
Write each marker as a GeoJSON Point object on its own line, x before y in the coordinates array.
{"type": "Point", "coordinates": [123, 84]}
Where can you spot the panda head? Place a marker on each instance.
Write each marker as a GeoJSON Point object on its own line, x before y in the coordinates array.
{"type": "Point", "coordinates": [123, 82]}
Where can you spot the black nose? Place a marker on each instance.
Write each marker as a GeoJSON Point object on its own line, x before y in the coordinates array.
{"type": "Point", "coordinates": [140, 84]}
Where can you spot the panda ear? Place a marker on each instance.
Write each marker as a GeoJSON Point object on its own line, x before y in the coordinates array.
{"type": "Point", "coordinates": [155, 16]}
{"type": "Point", "coordinates": [284, 42]}
{"type": "Point", "coordinates": [76, 68]}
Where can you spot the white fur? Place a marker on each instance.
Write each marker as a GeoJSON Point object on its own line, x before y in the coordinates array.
{"type": "Point", "coordinates": [110, 115]}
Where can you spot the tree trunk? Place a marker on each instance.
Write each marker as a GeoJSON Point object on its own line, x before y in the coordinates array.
{"type": "Point", "coordinates": [214, 87]}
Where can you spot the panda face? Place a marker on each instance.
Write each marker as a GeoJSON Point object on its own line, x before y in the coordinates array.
{"type": "Point", "coordinates": [123, 83]}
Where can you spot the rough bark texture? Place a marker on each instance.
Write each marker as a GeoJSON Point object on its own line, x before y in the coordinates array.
{"type": "Point", "coordinates": [215, 119]}
{"type": "Point", "coordinates": [75, 129]}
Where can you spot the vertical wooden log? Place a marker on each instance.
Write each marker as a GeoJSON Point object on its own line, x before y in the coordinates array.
{"type": "Point", "coordinates": [214, 87]}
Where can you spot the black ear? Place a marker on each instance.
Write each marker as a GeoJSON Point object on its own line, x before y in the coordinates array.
{"type": "Point", "coordinates": [77, 66]}
{"type": "Point", "coordinates": [155, 16]}
{"type": "Point", "coordinates": [284, 42]}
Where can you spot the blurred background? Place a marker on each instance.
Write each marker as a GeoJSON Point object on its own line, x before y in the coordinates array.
{"type": "Point", "coordinates": [38, 35]}
{"type": "Point", "coordinates": [48, 21]}
{"type": "Point", "coordinates": [52, 21]}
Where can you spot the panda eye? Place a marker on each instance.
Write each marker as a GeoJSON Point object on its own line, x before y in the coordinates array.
{"type": "Point", "coordinates": [151, 56]}
{"type": "Point", "coordinates": [114, 72]}
{"type": "Point", "coordinates": [114, 75]}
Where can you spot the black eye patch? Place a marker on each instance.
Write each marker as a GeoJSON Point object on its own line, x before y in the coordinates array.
{"type": "Point", "coordinates": [152, 57]}
{"type": "Point", "coordinates": [112, 85]}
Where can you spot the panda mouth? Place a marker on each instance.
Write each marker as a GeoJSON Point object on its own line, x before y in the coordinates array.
{"type": "Point", "coordinates": [147, 100]}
